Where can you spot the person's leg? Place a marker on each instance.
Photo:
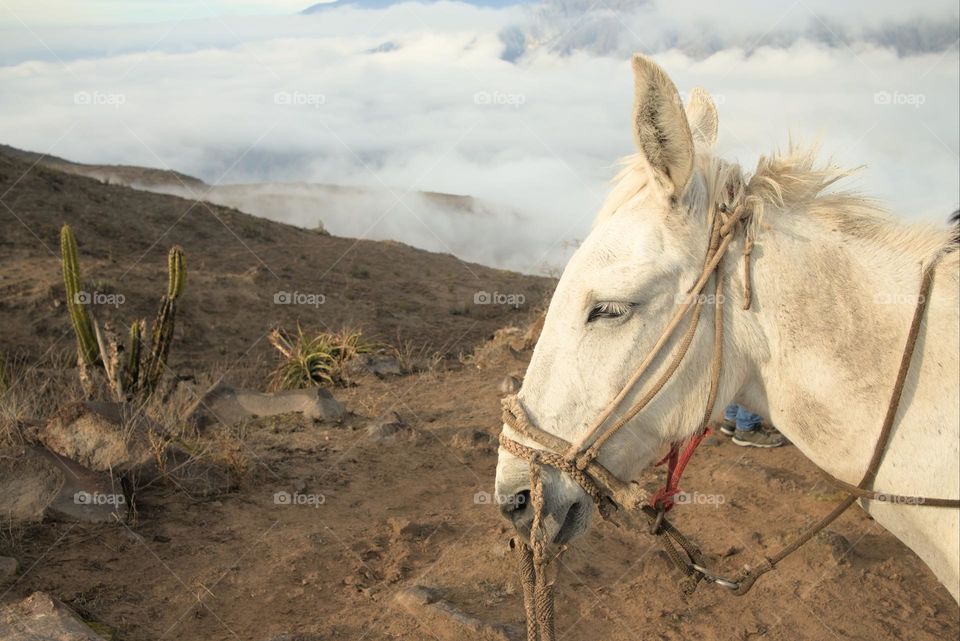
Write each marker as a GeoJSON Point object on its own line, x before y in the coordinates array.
{"type": "Point", "coordinates": [748, 432]}
{"type": "Point", "coordinates": [746, 420]}
{"type": "Point", "coordinates": [729, 423]}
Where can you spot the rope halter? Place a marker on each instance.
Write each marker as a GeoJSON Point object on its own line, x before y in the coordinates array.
{"type": "Point", "coordinates": [579, 459]}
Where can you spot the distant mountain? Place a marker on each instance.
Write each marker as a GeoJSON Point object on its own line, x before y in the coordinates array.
{"type": "Point", "coordinates": [382, 4]}
{"type": "Point", "coordinates": [621, 27]}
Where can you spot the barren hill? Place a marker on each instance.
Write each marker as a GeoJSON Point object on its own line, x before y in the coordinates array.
{"type": "Point", "coordinates": [244, 274]}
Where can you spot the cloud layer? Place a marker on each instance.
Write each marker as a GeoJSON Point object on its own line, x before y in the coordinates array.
{"type": "Point", "coordinates": [525, 108]}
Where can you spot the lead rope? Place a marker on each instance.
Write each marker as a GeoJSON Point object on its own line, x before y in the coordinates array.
{"type": "Point", "coordinates": [532, 562]}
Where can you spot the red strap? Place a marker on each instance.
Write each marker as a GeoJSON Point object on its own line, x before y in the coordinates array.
{"type": "Point", "coordinates": [676, 462]}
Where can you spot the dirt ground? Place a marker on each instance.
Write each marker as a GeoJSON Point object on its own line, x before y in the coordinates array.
{"type": "Point", "coordinates": [371, 519]}
{"type": "Point", "coordinates": [386, 516]}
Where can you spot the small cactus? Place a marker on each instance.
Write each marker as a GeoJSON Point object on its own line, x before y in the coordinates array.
{"type": "Point", "coordinates": [175, 272]}
{"type": "Point", "coordinates": [79, 316]}
{"type": "Point", "coordinates": [131, 370]}
{"type": "Point", "coordinates": [164, 323]}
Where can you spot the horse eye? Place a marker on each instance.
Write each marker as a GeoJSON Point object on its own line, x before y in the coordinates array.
{"type": "Point", "coordinates": [609, 310]}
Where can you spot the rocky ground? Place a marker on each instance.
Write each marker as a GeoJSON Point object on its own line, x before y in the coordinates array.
{"type": "Point", "coordinates": [377, 524]}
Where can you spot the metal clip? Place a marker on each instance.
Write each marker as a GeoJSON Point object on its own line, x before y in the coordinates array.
{"type": "Point", "coordinates": [712, 578]}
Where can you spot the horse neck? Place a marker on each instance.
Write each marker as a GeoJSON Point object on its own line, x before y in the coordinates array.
{"type": "Point", "coordinates": [819, 349]}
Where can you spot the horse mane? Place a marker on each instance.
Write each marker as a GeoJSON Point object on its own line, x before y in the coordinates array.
{"type": "Point", "coordinates": [791, 182]}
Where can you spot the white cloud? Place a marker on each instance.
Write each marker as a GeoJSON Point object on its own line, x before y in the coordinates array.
{"type": "Point", "coordinates": [299, 98]}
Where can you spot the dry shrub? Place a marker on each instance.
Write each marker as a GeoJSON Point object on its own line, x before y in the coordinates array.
{"type": "Point", "coordinates": [314, 360]}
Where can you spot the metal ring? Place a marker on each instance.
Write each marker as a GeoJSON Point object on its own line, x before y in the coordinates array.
{"type": "Point", "coordinates": [712, 578]}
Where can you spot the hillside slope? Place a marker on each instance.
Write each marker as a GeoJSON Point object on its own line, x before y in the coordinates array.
{"type": "Point", "coordinates": [241, 270]}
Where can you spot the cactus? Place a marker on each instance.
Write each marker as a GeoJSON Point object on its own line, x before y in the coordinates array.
{"type": "Point", "coordinates": [79, 316]}
{"type": "Point", "coordinates": [175, 272]}
{"type": "Point", "coordinates": [164, 323]}
{"type": "Point", "coordinates": [139, 372]}
{"type": "Point", "coordinates": [131, 370]}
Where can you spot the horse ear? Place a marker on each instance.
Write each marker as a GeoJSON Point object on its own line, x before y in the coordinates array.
{"type": "Point", "coordinates": [660, 127]}
{"type": "Point", "coordinates": [702, 116]}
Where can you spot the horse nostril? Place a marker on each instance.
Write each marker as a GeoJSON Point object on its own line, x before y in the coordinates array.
{"type": "Point", "coordinates": [513, 506]}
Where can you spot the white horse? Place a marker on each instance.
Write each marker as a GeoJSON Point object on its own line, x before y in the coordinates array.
{"type": "Point", "coordinates": [834, 286]}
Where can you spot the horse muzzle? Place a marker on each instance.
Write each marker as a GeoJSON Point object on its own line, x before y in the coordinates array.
{"type": "Point", "coordinates": [567, 509]}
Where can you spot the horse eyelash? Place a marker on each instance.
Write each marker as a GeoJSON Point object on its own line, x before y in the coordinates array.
{"type": "Point", "coordinates": [609, 310]}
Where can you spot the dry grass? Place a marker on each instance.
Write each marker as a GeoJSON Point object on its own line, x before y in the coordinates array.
{"type": "Point", "coordinates": [31, 393]}
{"type": "Point", "coordinates": [413, 358]}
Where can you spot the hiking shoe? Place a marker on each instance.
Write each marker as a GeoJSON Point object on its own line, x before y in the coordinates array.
{"type": "Point", "coordinates": [727, 427]}
{"type": "Point", "coordinates": [757, 438]}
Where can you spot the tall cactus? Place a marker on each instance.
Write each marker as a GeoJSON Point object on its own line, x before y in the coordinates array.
{"type": "Point", "coordinates": [79, 316]}
{"type": "Point", "coordinates": [175, 271]}
{"type": "Point", "coordinates": [131, 369]}
{"type": "Point", "coordinates": [164, 323]}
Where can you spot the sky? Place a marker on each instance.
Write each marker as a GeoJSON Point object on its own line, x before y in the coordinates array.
{"type": "Point", "coordinates": [524, 106]}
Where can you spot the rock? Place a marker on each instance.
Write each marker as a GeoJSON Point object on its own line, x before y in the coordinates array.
{"type": "Point", "coordinates": [389, 428]}
{"type": "Point", "coordinates": [85, 496]}
{"type": "Point", "coordinates": [470, 439]}
{"type": "Point", "coordinates": [40, 617]}
{"type": "Point", "coordinates": [447, 622]}
{"type": "Point", "coordinates": [229, 406]}
{"type": "Point", "coordinates": [510, 385]}
{"type": "Point", "coordinates": [36, 483]}
{"type": "Point", "coordinates": [100, 436]}
{"type": "Point", "coordinates": [840, 548]}
{"type": "Point", "coordinates": [8, 568]}
{"type": "Point", "coordinates": [380, 365]}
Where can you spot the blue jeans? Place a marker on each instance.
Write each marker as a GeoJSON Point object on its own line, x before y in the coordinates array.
{"type": "Point", "coordinates": [745, 420]}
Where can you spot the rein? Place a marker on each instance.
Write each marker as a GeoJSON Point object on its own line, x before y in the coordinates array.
{"type": "Point", "coordinates": [613, 495]}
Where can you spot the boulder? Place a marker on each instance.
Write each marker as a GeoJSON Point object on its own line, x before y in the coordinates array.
{"type": "Point", "coordinates": [41, 617]}
{"type": "Point", "coordinates": [229, 406]}
{"type": "Point", "coordinates": [510, 385]}
{"type": "Point", "coordinates": [380, 365]}
{"type": "Point", "coordinates": [85, 496]}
